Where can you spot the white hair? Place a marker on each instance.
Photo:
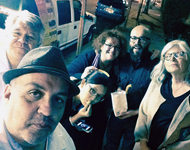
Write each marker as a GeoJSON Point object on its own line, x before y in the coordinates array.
{"type": "Point", "coordinates": [159, 72]}
{"type": "Point", "coordinates": [28, 18]}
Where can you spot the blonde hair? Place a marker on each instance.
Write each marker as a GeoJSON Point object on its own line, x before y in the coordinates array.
{"type": "Point", "coordinates": [159, 72]}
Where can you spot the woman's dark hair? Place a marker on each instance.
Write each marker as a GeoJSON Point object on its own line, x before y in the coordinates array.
{"type": "Point", "coordinates": [97, 77]}
{"type": "Point", "coordinates": [114, 33]}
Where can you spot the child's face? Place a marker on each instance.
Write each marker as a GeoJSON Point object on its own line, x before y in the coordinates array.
{"type": "Point", "coordinates": [92, 93]}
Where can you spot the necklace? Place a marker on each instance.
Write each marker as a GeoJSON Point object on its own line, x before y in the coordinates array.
{"type": "Point", "coordinates": [174, 89]}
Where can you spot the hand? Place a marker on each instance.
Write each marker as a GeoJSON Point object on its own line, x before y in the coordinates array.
{"type": "Point", "coordinates": [72, 78]}
{"type": "Point", "coordinates": [155, 54]}
{"type": "Point", "coordinates": [179, 145]}
{"type": "Point", "coordinates": [143, 145]}
{"type": "Point", "coordinates": [119, 89]}
{"type": "Point", "coordinates": [86, 111]}
{"type": "Point", "coordinates": [87, 71]}
{"type": "Point", "coordinates": [83, 112]}
{"type": "Point", "coordinates": [128, 114]}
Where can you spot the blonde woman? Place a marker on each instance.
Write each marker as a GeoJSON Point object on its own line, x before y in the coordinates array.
{"type": "Point", "coordinates": [164, 113]}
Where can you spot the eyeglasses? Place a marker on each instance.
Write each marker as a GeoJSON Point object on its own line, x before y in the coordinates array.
{"type": "Point", "coordinates": [111, 46]}
{"type": "Point", "coordinates": [143, 40]}
{"type": "Point", "coordinates": [177, 55]}
{"type": "Point", "coordinates": [94, 93]}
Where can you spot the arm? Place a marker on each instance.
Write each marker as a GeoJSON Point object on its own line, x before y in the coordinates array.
{"type": "Point", "coordinates": [143, 145]}
{"type": "Point", "coordinates": [128, 114]}
{"type": "Point", "coordinates": [180, 145]}
{"type": "Point", "coordinates": [83, 112]}
{"type": "Point", "coordinates": [87, 71]}
{"type": "Point", "coordinates": [78, 65]}
{"type": "Point", "coordinates": [155, 54]}
{"type": "Point", "coordinates": [144, 121]}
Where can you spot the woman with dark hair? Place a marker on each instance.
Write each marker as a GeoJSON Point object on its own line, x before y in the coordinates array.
{"type": "Point", "coordinates": [82, 125]}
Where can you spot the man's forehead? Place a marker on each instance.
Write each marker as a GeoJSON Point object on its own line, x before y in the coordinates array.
{"type": "Point", "coordinates": [18, 25]}
{"type": "Point", "coordinates": [41, 78]}
{"type": "Point", "coordinates": [140, 32]}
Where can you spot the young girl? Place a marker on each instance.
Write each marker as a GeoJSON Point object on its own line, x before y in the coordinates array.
{"type": "Point", "coordinates": [83, 123]}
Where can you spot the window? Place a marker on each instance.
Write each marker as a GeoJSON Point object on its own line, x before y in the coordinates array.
{"type": "Point", "coordinates": [64, 12]}
{"type": "Point", "coordinates": [30, 6]}
{"type": "Point", "coordinates": [77, 9]}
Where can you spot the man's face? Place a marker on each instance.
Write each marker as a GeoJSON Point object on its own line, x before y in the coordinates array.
{"type": "Point", "coordinates": [21, 39]}
{"type": "Point", "coordinates": [139, 41]}
{"type": "Point", "coordinates": [35, 103]}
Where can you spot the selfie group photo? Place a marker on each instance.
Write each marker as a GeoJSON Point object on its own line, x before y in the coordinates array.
{"type": "Point", "coordinates": [126, 88]}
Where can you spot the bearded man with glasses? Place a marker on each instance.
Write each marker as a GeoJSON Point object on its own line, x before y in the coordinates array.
{"type": "Point", "coordinates": [135, 71]}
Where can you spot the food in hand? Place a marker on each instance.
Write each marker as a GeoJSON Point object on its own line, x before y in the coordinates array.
{"type": "Point", "coordinates": [127, 88]}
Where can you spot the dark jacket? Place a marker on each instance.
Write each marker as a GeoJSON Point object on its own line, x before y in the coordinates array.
{"type": "Point", "coordinates": [138, 75]}
{"type": "Point", "coordinates": [83, 140]}
{"type": "Point", "coordinates": [100, 111]}
{"type": "Point", "coordinates": [78, 65]}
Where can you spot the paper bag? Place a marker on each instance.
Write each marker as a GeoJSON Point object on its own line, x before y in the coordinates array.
{"type": "Point", "coordinates": [119, 102]}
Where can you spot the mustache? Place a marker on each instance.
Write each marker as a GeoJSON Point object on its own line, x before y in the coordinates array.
{"type": "Point", "coordinates": [42, 120]}
{"type": "Point", "coordinates": [24, 46]}
{"type": "Point", "coordinates": [139, 46]}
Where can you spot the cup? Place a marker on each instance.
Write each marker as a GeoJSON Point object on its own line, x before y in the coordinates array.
{"type": "Point", "coordinates": [119, 102]}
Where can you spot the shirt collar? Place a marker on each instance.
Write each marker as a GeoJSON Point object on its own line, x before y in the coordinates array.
{"type": "Point", "coordinates": [11, 141]}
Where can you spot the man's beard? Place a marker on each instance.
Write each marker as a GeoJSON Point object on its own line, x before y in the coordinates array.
{"type": "Point", "coordinates": [138, 56]}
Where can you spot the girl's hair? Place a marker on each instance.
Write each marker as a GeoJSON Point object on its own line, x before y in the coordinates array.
{"type": "Point", "coordinates": [97, 77]}
{"type": "Point", "coordinates": [159, 72]}
{"type": "Point", "coordinates": [114, 33]}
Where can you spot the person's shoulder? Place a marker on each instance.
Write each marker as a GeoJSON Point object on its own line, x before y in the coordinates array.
{"type": "Point", "coordinates": [124, 59]}
{"type": "Point", "coordinates": [4, 64]}
{"type": "Point", "coordinates": [154, 83]}
{"type": "Point", "coordinates": [60, 139]}
{"type": "Point", "coordinates": [153, 61]}
{"type": "Point", "coordinates": [4, 144]}
{"type": "Point", "coordinates": [89, 53]}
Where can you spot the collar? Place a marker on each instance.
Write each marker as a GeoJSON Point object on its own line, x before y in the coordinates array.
{"type": "Point", "coordinates": [15, 145]}
{"type": "Point", "coordinates": [12, 142]}
{"type": "Point", "coordinates": [4, 63]}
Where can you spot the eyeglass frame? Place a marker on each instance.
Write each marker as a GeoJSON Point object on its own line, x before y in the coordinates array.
{"type": "Point", "coordinates": [118, 48]}
{"type": "Point", "coordinates": [95, 94]}
{"type": "Point", "coordinates": [140, 39]}
{"type": "Point", "coordinates": [174, 54]}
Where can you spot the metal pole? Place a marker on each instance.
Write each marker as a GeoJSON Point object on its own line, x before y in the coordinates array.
{"type": "Point", "coordinates": [81, 27]}
{"type": "Point", "coordinates": [146, 7]}
{"type": "Point", "coordinates": [139, 11]}
{"type": "Point", "coordinates": [128, 11]}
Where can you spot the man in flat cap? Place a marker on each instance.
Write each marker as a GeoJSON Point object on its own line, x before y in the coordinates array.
{"type": "Point", "coordinates": [34, 101]}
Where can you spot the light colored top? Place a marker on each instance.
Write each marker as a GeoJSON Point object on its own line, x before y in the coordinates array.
{"type": "Point", "coordinates": [4, 66]}
{"type": "Point", "coordinates": [58, 140]}
{"type": "Point", "coordinates": [148, 108]}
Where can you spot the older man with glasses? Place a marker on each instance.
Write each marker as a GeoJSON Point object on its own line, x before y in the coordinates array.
{"type": "Point", "coordinates": [135, 71]}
